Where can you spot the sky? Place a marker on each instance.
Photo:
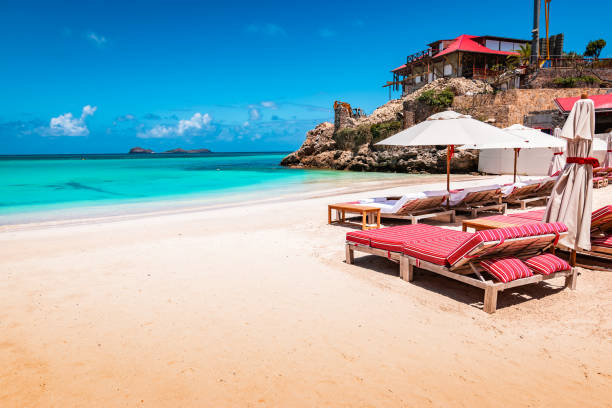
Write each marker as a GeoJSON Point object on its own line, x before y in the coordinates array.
{"type": "Point", "coordinates": [105, 76]}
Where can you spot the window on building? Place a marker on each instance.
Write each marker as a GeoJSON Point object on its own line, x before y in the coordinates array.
{"type": "Point", "coordinates": [506, 46]}
{"type": "Point", "coordinates": [448, 69]}
{"type": "Point", "coordinates": [492, 44]}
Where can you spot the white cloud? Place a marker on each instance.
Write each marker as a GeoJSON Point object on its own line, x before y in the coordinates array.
{"type": "Point", "coordinates": [326, 32]}
{"type": "Point", "coordinates": [254, 114]}
{"type": "Point", "coordinates": [269, 29]}
{"type": "Point", "coordinates": [98, 39]}
{"type": "Point", "coordinates": [68, 125]}
{"type": "Point", "coordinates": [269, 105]}
{"type": "Point", "coordinates": [182, 128]}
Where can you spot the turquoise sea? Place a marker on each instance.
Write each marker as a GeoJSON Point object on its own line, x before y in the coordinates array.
{"type": "Point", "coordinates": [45, 187]}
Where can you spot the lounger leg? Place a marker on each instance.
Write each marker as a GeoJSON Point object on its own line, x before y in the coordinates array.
{"type": "Point", "coordinates": [405, 269]}
{"type": "Point", "coordinates": [570, 281]}
{"type": "Point", "coordinates": [453, 218]}
{"type": "Point", "coordinates": [523, 205]}
{"type": "Point", "coordinates": [504, 208]}
{"type": "Point", "coordinates": [414, 220]}
{"type": "Point", "coordinates": [350, 254]}
{"type": "Point", "coordinates": [329, 211]}
{"type": "Point", "coordinates": [474, 213]}
{"type": "Point", "coordinates": [490, 299]}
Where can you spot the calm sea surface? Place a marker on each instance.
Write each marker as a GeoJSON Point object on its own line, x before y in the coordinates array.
{"type": "Point", "coordinates": [42, 187]}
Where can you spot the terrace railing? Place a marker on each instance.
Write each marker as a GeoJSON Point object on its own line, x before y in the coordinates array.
{"type": "Point", "coordinates": [575, 62]}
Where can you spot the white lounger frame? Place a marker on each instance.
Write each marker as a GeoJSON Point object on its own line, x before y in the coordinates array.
{"type": "Point", "coordinates": [408, 263]}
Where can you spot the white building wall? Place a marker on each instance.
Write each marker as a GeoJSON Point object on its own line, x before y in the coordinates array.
{"type": "Point", "coordinates": [531, 162]}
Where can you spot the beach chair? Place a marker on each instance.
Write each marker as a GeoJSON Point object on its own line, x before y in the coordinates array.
{"type": "Point", "coordinates": [525, 194]}
{"type": "Point", "coordinates": [478, 199]}
{"type": "Point", "coordinates": [601, 230]}
{"type": "Point", "coordinates": [413, 207]}
{"type": "Point", "coordinates": [460, 255]}
{"type": "Point", "coordinates": [599, 182]}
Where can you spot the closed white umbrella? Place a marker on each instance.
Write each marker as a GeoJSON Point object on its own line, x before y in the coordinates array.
{"type": "Point", "coordinates": [525, 138]}
{"type": "Point", "coordinates": [449, 129]}
{"type": "Point", "coordinates": [608, 160]}
{"type": "Point", "coordinates": [571, 199]}
{"type": "Point", "coordinates": [558, 162]}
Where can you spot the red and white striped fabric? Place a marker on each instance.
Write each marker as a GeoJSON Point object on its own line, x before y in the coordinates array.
{"type": "Point", "coordinates": [605, 241]}
{"type": "Point", "coordinates": [502, 234]}
{"type": "Point", "coordinates": [358, 237]}
{"type": "Point", "coordinates": [536, 215]}
{"type": "Point", "coordinates": [601, 216]}
{"type": "Point", "coordinates": [546, 264]}
{"type": "Point", "coordinates": [393, 238]}
{"type": "Point", "coordinates": [437, 249]}
{"type": "Point", "coordinates": [506, 269]}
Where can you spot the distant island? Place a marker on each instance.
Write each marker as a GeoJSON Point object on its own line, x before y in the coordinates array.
{"type": "Point", "coordinates": [140, 150]}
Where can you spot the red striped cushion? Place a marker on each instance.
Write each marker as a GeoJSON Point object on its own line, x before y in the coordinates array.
{"type": "Point", "coordinates": [601, 216]}
{"type": "Point", "coordinates": [536, 215]}
{"type": "Point", "coordinates": [605, 241]}
{"type": "Point", "coordinates": [497, 235]}
{"type": "Point", "coordinates": [393, 238]}
{"type": "Point", "coordinates": [506, 269]}
{"type": "Point", "coordinates": [436, 249]}
{"type": "Point", "coordinates": [358, 237]}
{"type": "Point", "coordinates": [547, 264]}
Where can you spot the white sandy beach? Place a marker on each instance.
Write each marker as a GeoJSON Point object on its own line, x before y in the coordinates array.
{"type": "Point", "coordinates": [254, 306]}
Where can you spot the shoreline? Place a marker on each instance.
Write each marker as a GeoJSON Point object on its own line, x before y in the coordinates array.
{"type": "Point", "coordinates": [142, 210]}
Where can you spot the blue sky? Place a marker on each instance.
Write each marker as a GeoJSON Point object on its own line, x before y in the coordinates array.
{"type": "Point", "coordinates": [104, 76]}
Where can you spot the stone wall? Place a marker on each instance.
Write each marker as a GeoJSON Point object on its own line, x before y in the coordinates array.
{"type": "Point", "coordinates": [513, 106]}
{"type": "Point", "coordinates": [544, 78]}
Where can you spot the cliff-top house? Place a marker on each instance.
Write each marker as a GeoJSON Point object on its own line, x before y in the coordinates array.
{"type": "Point", "coordinates": [467, 56]}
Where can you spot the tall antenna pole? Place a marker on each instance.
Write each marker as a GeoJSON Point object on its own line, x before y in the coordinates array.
{"type": "Point", "coordinates": [535, 33]}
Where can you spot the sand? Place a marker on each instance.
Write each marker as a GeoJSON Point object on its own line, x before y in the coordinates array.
{"type": "Point", "coordinates": [254, 306]}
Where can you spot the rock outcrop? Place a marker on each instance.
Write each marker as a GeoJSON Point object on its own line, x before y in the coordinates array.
{"type": "Point", "coordinates": [349, 144]}
{"type": "Point", "coordinates": [140, 150]}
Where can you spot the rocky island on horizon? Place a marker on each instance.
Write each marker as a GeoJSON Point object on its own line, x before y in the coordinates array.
{"type": "Point", "coordinates": [140, 150]}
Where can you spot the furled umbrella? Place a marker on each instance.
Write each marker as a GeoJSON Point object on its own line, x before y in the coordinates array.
{"type": "Point", "coordinates": [558, 161]}
{"type": "Point", "coordinates": [571, 199]}
{"type": "Point", "coordinates": [525, 138]}
{"type": "Point", "coordinates": [449, 129]}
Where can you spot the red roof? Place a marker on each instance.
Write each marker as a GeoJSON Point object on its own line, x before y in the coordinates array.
{"type": "Point", "coordinates": [399, 68]}
{"type": "Point", "coordinates": [465, 43]}
{"type": "Point", "coordinates": [602, 103]}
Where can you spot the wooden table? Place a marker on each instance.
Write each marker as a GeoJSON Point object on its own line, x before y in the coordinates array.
{"type": "Point", "coordinates": [344, 208]}
{"type": "Point", "coordinates": [480, 224]}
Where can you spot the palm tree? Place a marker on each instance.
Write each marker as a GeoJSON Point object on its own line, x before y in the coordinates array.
{"type": "Point", "coordinates": [524, 54]}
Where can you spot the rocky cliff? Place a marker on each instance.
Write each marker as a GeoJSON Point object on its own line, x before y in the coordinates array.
{"type": "Point", "coordinates": [348, 144]}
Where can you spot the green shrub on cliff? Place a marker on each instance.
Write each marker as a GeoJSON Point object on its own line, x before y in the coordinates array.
{"type": "Point", "coordinates": [383, 130]}
{"type": "Point", "coordinates": [571, 82]}
{"type": "Point", "coordinates": [440, 100]}
{"type": "Point", "coordinates": [352, 138]}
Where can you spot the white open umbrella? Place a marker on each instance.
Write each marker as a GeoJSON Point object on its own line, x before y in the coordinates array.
{"type": "Point", "coordinates": [448, 129]}
{"type": "Point", "coordinates": [557, 162]}
{"type": "Point", "coordinates": [525, 138]}
{"type": "Point", "coordinates": [571, 199]}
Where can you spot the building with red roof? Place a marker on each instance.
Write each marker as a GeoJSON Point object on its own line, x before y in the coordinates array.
{"type": "Point", "coordinates": [467, 56]}
{"type": "Point", "coordinates": [603, 110]}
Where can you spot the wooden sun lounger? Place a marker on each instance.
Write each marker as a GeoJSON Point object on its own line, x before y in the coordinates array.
{"type": "Point", "coordinates": [467, 269]}
{"type": "Point", "coordinates": [477, 201]}
{"type": "Point", "coordinates": [421, 208]}
{"type": "Point", "coordinates": [527, 194]}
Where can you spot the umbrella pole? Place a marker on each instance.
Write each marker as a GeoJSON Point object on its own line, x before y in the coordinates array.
{"type": "Point", "coordinates": [448, 159]}
{"type": "Point", "coordinates": [515, 157]}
